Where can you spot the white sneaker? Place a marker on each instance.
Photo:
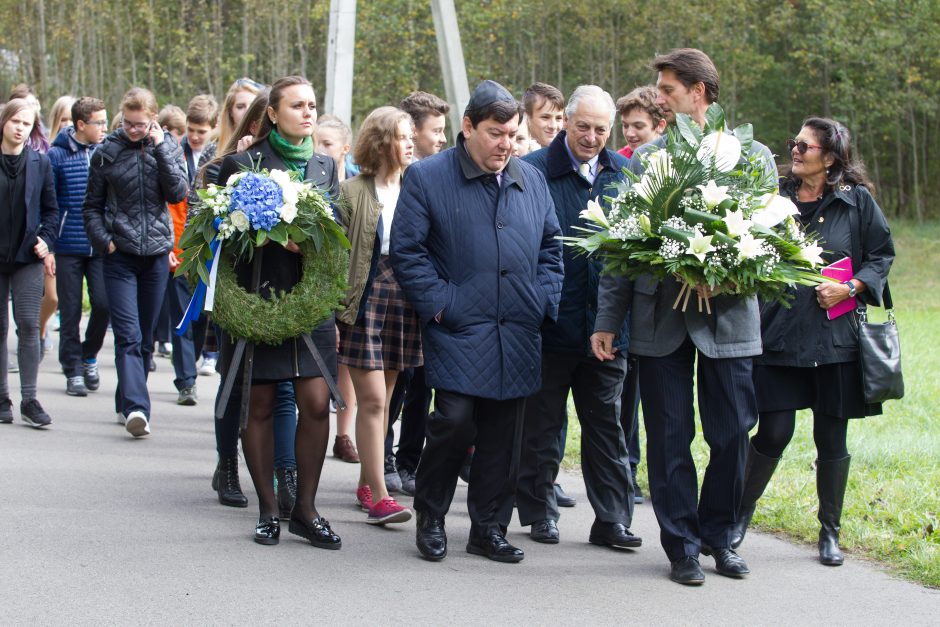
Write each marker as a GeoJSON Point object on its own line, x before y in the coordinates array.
{"type": "Point", "coordinates": [137, 424]}
{"type": "Point", "coordinates": [207, 367]}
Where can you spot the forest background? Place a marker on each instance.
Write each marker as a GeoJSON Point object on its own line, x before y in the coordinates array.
{"type": "Point", "coordinates": [873, 64]}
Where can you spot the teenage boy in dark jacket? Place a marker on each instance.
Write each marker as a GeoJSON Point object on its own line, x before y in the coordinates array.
{"type": "Point", "coordinates": [70, 156]}
{"type": "Point", "coordinates": [136, 172]}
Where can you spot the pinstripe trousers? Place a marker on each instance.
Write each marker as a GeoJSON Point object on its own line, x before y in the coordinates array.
{"type": "Point", "coordinates": [727, 410]}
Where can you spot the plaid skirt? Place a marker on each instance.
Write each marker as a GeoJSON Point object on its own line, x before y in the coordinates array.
{"type": "Point", "coordinates": [386, 336]}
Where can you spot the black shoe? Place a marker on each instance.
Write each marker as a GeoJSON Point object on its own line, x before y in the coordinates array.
{"type": "Point", "coordinates": [75, 386]}
{"type": "Point", "coordinates": [544, 531]}
{"type": "Point", "coordinates": [152, 365]}
{"type": "Point", "coordinates": [614, 535]}
{"type": "Point", "coordinates": [727, 562]}
{"type": "Point", "coordinates": [638, 498]}
{"type": "Point", "coordinates": [34, 415]}
{"type": "Point", "coordinates": [494, 547]}
{"type": "Point", "coordinates": [317, 531]}
{"type": "Point", "coordinates": [392, 480]}
{"type": "Point", "coordinates": [430, 537]}
{"type": "Point", "coordinates": [90, 374]}
{"type": "Point", "coordinates": [227, 484]}
{"type": "Point", "coordinates": [687, 571]}
{"type": "Point", "coordinates": [268, 530]}
{"type": "Point", "coordinates": [407, 481]}
{"type": "Point", "coordinates": [6, 411]}
{"type": "Point", "coordinates": [562, 499]}
{"type": "Point", "coordinates": [286, 490]}
{"type": "Point", "coordinates": [187, 396]}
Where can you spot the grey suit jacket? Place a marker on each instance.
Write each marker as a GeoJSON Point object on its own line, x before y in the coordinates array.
{"type": "Point", "coordinates": [732, 329]}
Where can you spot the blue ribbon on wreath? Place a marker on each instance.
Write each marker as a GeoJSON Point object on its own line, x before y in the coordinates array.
{"type": "Point", "coordinates": [204, 295]}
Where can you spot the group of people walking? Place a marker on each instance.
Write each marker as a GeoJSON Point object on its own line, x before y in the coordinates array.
{"type": "Point", "coordinates": [458, 283]}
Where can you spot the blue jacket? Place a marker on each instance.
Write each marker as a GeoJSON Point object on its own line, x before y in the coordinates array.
{"type": "Point", "coordinates": [487, 261]}
{"type": "Point", "coordinates": [70, 159]}
{"type": "Point", "coordinates": [571, 192]}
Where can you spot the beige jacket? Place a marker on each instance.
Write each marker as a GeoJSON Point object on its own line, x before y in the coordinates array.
{"type": "Point", "coordinates": [359, 212]}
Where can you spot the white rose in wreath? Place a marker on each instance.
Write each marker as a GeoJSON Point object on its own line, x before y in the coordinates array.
{"type": "Point", "coordinates": [239, 220]}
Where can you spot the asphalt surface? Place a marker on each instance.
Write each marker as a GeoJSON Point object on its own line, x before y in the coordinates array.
{"type": "Point", "coordinates": [99, 528]}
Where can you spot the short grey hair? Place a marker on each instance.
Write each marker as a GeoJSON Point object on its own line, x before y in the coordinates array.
{"type": "Point", "coordinates": [590, 91]}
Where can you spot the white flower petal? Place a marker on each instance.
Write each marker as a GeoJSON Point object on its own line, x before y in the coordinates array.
{"type": "Point", "coordinates": [724, 148]}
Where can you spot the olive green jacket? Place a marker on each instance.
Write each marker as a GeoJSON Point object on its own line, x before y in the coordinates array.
{"type": "Point", "coordinates": [359, 212]}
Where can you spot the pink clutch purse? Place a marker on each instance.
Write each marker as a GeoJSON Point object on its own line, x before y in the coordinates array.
{"type": "Point", "coordinates": [841, 271]}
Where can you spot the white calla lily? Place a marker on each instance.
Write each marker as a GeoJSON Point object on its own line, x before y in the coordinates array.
{"type": "Point", "coordinates": [724, 148]}
{"type": "Point", "coordinates": [699, 245]}
{"type": "Point", "coordinates": [737, 224]}
{"type": "Point", "coordinates": [595, 213]}
{"type": "Point", "coordinates": [714, 194]}
{"type": "Point", "coordinates": [774, 210]}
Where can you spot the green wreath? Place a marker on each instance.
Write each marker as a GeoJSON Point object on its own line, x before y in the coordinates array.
{"type": "Point", "coordinates": [286, 315]}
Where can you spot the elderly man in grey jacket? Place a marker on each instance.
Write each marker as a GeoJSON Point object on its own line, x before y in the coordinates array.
{"type": "Point", "coordinates": [667, 342]}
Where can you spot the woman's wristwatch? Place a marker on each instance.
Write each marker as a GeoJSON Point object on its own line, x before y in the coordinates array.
{"type": "Point", "coordinates": [851, 285]}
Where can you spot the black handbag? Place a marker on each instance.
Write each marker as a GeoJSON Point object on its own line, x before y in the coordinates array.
{"type": "Point", "coordinates": [879, 353]}
{"type": "Point", "coordinates": [879, 346]}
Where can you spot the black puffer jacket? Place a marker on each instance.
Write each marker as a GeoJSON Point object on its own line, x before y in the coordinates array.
{"type": "Point", "coordinates": [129, 186]}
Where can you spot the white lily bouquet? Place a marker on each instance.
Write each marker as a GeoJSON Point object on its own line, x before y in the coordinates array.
{"type": "Point", "coordinates": [707, 212]}
{"type": "Point", "coordinates": [236, 218]}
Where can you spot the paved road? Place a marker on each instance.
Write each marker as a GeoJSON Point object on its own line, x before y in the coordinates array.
{"type": "Point", "coordinates": [97, 528]}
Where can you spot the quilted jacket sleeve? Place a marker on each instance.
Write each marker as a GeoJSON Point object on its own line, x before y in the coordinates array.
{"type": "Point", "coordinates": [409, 254]}
{"type": "Point", "coordinates": [171, 170]}
{"type": "Point", "coordinates": [93, 208]}
{"type": "Point", "coordinates": [550, 273]}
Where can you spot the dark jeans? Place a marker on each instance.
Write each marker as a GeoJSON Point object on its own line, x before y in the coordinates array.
{"type": "Point", "coordinates": [494, 427]}
{"type": "Point", "coordinates": [70, 271]}
{"type": "Point", "coordinates": [135, 287]}
{"type": "Point", "coordinates": [411, 398]}
{"type": "Point", "coordinates": [285, 424]}
{"type": "Point", "coordinates": [727, 410]}
{"type": "Point", "coordinates": [178, 296]}
{"type": "Point", "coordinates": [597, 387]}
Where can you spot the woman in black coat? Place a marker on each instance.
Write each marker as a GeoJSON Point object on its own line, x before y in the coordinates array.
{"type": "Point", "coordinates": [810, 361]}
{"type": "Point", "coordinates": [284, 143]}
{"type": "Point", "coordinates": [28, 218]}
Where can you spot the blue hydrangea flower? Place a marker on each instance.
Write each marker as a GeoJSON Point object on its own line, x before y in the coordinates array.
{"type": "Point", "coordinates": [260, 198]}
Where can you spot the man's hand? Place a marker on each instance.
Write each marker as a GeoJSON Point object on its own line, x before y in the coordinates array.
{"type": "Point", "coordinates": [602, 345]}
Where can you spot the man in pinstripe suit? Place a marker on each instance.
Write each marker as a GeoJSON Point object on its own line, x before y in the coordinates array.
{"type": "Point", "coordinates": [667, 343]}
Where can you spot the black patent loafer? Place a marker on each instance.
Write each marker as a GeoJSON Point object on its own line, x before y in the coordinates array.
{"type": "Point", "coordinates": [544, 531]}
{"type": "Point", "coordinates": [316, 531]}
{"type": "Point", "coordinates": [268, 530]}
{"type": "Point", "coordinates": [496, 548]}
{"type": "Point", "coordinates": [430, 537]}
{"type": "Point", "coordinates": [614, 535]}
{"type": "Point", "coordinates": [687, 571]}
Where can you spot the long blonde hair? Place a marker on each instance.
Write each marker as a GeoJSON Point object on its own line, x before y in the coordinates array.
{"type": "Point", "coordinates": [226, 123]}
{"type": "Point", "coordinates": [61, 105]}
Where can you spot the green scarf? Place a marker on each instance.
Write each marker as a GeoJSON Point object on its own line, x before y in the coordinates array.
{"type": "Point", "coordinates": [295, 157]}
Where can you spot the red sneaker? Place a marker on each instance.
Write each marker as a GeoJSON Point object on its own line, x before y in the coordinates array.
{"type": "Point", "coordinates": [364, 498]}
{"type": "Point", "coordinates": [388, 511]}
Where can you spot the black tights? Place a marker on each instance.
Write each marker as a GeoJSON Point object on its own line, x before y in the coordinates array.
{"type": "Point", "coordinates": [310, 444]}
{"type": "Point", "coordinates": [775, 430]}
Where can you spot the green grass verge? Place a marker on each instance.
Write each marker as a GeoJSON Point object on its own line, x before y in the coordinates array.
{"type": "Point", "coordinates": [892, 504]}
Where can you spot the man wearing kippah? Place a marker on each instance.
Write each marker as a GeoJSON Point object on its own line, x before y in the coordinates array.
{"type": "Point", "coordinates": [474, 248]}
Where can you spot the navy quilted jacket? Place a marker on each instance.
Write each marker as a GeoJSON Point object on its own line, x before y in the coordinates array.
{"type": "Point", "coordinates": [69, 160]}
{"type": "Point", "coordinates": [135, 180]}
{"type": "Point", "coordinates": [487, 260]}
{"type": "Point", "coordinates": [571, 192]}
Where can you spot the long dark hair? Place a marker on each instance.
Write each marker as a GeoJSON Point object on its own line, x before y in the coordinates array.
{"type": "Point", "coordinates": [274, 99]}
{"type": "Point", "coordinates": [836, 142]}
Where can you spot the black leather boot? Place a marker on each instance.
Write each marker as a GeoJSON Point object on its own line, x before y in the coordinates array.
{"type": "Point", "coordinates": [757, 473]}
{"type": "Point", "coordinates": [831, 479]}
{"type": "Point", "coordinates": [286, 489]}
{"type": "Point", "coordinates": [226, 483]}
